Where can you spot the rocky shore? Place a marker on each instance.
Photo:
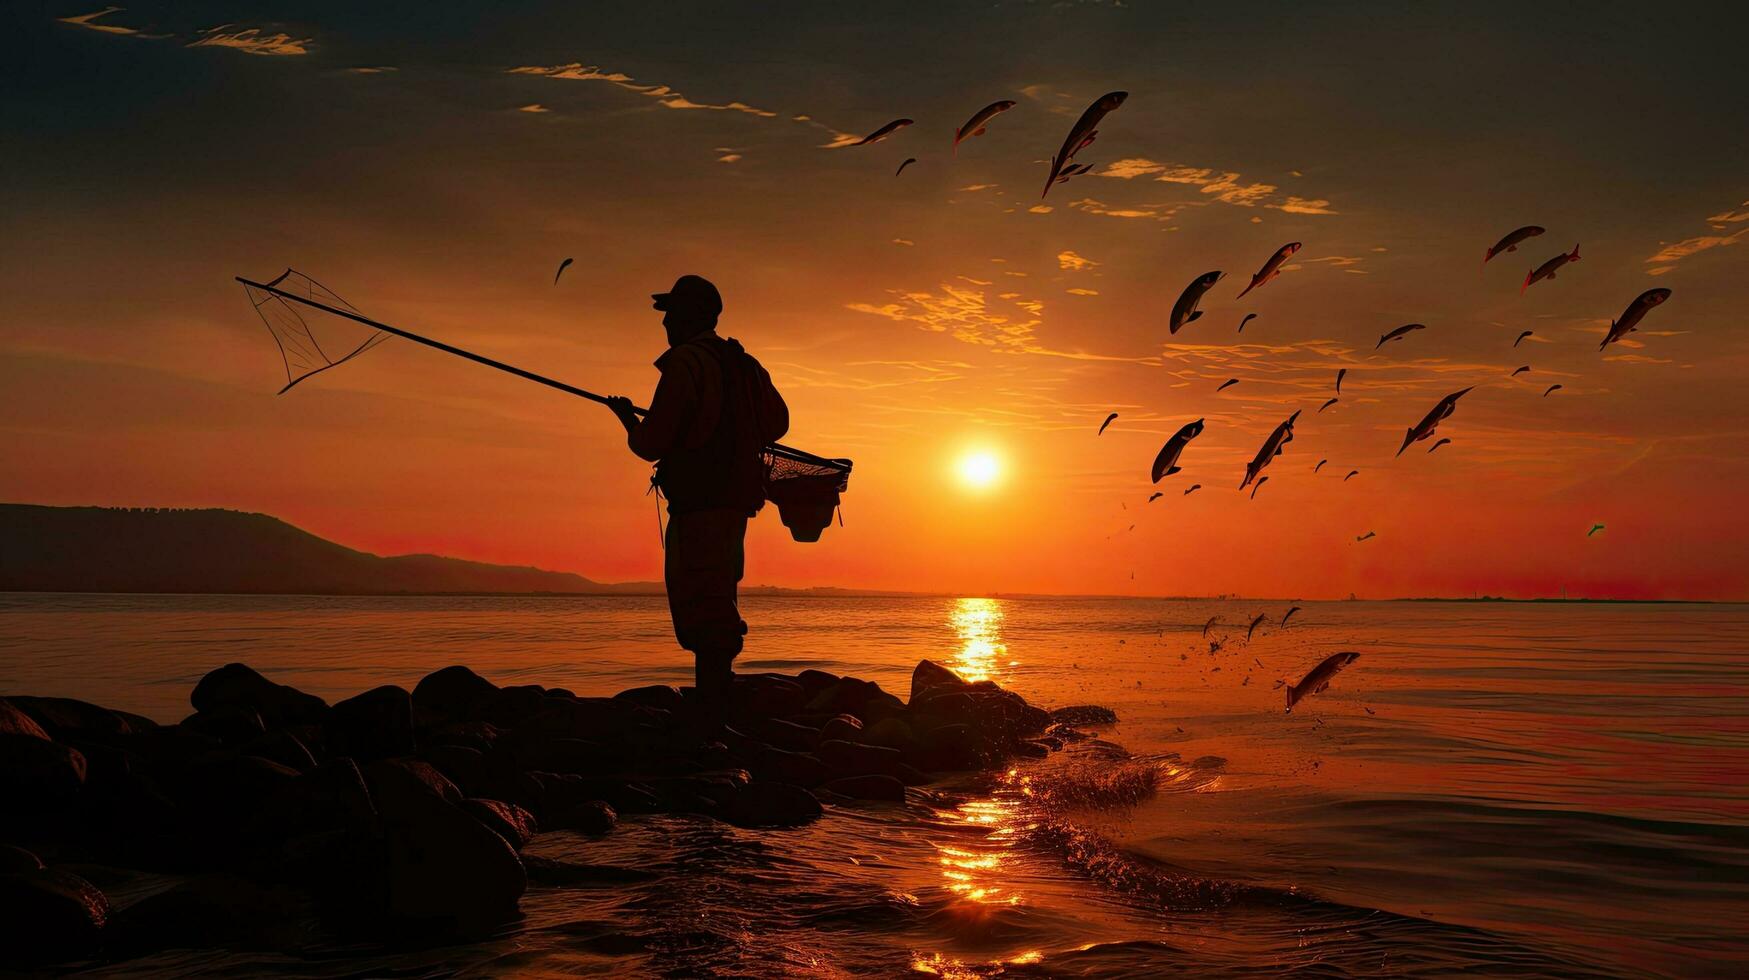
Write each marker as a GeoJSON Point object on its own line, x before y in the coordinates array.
{"type": "Point", "coordinates": [270, 819]}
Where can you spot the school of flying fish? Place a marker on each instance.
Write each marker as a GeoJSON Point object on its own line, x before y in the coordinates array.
{"type": "Point", "coordinates": [1187, 309]}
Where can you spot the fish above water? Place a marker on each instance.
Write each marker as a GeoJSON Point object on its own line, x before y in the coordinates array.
{"type": "Point", "coordinates": [1102, 425]}
{"type": "Point", "coordinates": [1184, 311]}
{"type": "Point", "coordinates": [1429, 422]}
{"type": "Point", "coordinates": [1271, 268]}
{"type": "Point", "coordinates": [1630, 317]}
{"type": "Point", "coordinates": [1399, 333]}
{"type": "Point", "coordinates": [1271, 448]}
{"type": "Point", "coordinates": [1320, 676]}
{"type": "Point", "coordinates": [1166, 462]}
{"type": "Point", "coordinates": [975, 125]}
{"type": "Point", "coordinates": [1548, 269]}
{"type": "Point", "coordinates": [1510, 242]}
{"type": "Point", "coordinates": [884, 132]}
{"type": "Point", "coordinates": [1082, 133]}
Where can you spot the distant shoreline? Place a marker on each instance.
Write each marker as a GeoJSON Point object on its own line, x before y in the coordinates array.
{"type": "Point", "coordinates": [830, 592]}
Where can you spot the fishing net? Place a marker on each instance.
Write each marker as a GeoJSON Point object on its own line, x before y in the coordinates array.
{"type": "Point", "coordinates": [805, 490]}
{"type": "Point", "coordinates": [303, 352]}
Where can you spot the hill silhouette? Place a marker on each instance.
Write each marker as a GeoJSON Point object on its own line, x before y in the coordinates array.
{"type": "Point", "coordinates": [145, 549]}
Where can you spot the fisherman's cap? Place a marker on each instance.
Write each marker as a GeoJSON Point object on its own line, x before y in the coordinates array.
{"type": "Point", "coordinates": [691, 294]}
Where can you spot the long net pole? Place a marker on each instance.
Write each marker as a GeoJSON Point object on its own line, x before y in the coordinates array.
{"type": "Point", "coordinates": [795, 454]}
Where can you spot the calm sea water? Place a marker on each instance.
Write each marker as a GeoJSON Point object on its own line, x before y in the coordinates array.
{"type": "Point", "coordinates": [1527, 790]}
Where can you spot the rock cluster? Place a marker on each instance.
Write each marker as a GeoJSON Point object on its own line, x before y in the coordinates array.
{"type": "Point", "coordinates": [397, 813]}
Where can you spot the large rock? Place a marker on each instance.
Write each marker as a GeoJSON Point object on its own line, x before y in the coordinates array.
{"type": "Point", "coordinates": [593, 817]}
{"type": "Point", "coordinates": [66, 718]}
{"type": "Point", "coordinates": [442, 868]}
{"type": "Point", "coordinates": [857, 759]}
{"type": "Point", "coordinates": [1084, 714]}
{"type": "Point", "coordinates": [453, 693]}
{"type": "Point", "coordinates": [232, 724]}
{"type": "Point", "coordinates": [377, 724]}
{"type": "Point", "coordinates": [766, 696]}
{"type": "Point", "coordinates": [859, 698]}
{"type": "Point", "coordinates": [664, 696]}
{"type": "Point", "coordinates": [277, 704]}
{"type": "Point", "coordinates": [37, 777]}
{"type": "Point", "coordinates": [14, 721]}
{"type": "Point", "coordinates": [466, 767]}
{"type": "Point", "coordinates": [215, 910]}
{"type": "Point", "coordinates": [516, 825]}
{"type": "Point", "coordinates": [767, 804]}
{"type": "Point", "coordinates": [50, 916]}
{"type": "Point", "coordinates": [844, 727]}
{"type": "Point", "coordinates": [930, 676]}
{"type": "Point", "coordinates": [956, 748]}
{"type": "Point", "coordinates": [799, 768]}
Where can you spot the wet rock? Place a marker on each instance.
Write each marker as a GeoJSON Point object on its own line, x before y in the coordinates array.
{"type": "Point", "coordinates": [664, 696]}
{"type": "Point", "coordinates": [453, 694]}
{"type": "Point", "coordinates": [862, 699]}
{"type": "Point", "coordinates": [232, 724]}
{"type": "Point", "coordinates": [892, 733]}
{"type": "Point", "coordinates": [516, 825]}
{"type": "Point", "coordinates": [37, 777]}
{"type": "Point", "coordinates": [873, 787]}
{"type": "Point", "coordinates": [783, 734]}
{"type": "Point", "coordinates": [843, 728]}
{"type": "Point", "coordinates": [50, 916]}
{"type": "Point", "coordinates": [930, 676]}
{"type": "Point", "coordinates": [512, 706]}
{"type": "Point", "coordinates": [441, 868]}
{"type": "Point", "coordinates": [16, 860]}
{"type": "Point", "coordinates": [477, 735]}
{"type": "Point", "coordinates": [396, 773]}
{"type": "Point", "coordinates": [857, 759]}
{"type": "Point", "coordinates": [215, 910]}
{"type": "Point", "coordinates": [377, 724]}
{"type": "Point", "coordinates": [956, 748]}
{"type": "Point", "coordinates": [465, 767]}
{"type": "Point", "coordinates": [798, 768]}
{"type": "Point", "coordinates": [592, 817]}
{"type": "Point", "coordinates": [331, 797]}
{"type": "Point", "coordinates": [536, 751]}
{"type": "Point", "coordinates": [278, 704]}
{"type": "Point", "coordinates": [14, 721]}
{"type": "Point", "coordinates": [591, 719]}
{"type": "Point", "coordinates": [1084, 714]}
{"type": "Point", "coordinates": [771, 804]}
{"type": "Point", "coordinates": [564, 791]}
{"type": "Point", "coordinates": [767, 696]}
{"type": "Point", "coordinates": [284, 748]}
{"type": "Point", "coordinates": [66, 718]}
{"type": "Point", "coordinates": [815, 681]}
{"type": "Point", "coordinates": [1028, 749]}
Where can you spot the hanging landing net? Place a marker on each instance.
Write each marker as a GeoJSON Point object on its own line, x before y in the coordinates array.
{"type": "Point", "coordinates": [303, 352]}
{"type": "Point", "coordinates": [805, 491]}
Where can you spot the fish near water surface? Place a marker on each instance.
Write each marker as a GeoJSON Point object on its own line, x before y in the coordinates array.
{"type": "Point", "coordinates": [1319, 677]}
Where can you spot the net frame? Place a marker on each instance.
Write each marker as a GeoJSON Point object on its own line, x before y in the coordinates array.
{"type": "Point", "coordinates": [299, 348]}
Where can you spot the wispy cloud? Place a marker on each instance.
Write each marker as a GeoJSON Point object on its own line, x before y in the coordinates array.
{"type": "Point", "coordinates": [534, 107]}
{"type": "Point", "coordinates": [1007, 323]}
{"type": "Point", "coordinates": [89, 21]}
{"type": "Point", "coordinates": [1673, 252]}
{"type": "Point", "coordinates": [665, 95]}
{"type": "Point", "coordinates": [1155, 212]}
{"type": "Point", "coordinates": [250, 40]}
{"type": "Point", "coordinates": [1226, 186]}
{"type": "Point", "coordinates": [1082, 292]}
{"type": "Point", "coordinates": [1729, 217]}
{"type": "Point", "coordinates": [1067, 259]}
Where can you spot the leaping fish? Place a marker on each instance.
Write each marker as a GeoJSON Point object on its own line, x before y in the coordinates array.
{"type": "Point", "coordinates": [1630, 317]}
{"type": "Point", "coordinates": [1340, 374]}
{"type": "Point", "coordinates": [1320, 465]}
{"type": "Point", "coordinates": [1286, 615]}
{"type": "Point", "coordinates": [562, 267]}
{"type": "Point", "coordinates": [908, 161]}
{"type": "Point", "coordinates": [1548, 269]}
{"type": "Point", "coordinates": [1248, 318]}
{"type": "Point", "coordinates": [1105, 423]}
{"type": "Point", "coordinates": [1350, 473]}
{"type": "Point", "coordinates": [1552, 390]}
{"type": "Point", "coordinates": [1510, 242]}
{"type": "Point", "coordinates": [1253, 627]}
{"type": "Point", "coordinates": [1399, 333]}
{"type": "Point", "coordinates": [1283, 434]}
{"type": "Point", "coordinates": [1082, 133]}
{"type": "Point", "coordinates": [1369, 534]}
{"type": "Point", "coordinates": [1194, 487]}
{"type": "Point", "coordinates": [1156, 495]}
{"type": "Point", "coordinates": [1437, 445]}
{"type": "Point", "coordinates": [1521, 337]}
{"type": "Point", "coordinates": [1258, 487]}
{"type": "Point", "coordinates": [1319, 679]}
{"type": "Point", "coordinates": [1431, 420]}
{"type": "Point", "coordinates": [1166, 462]}
{"type": "Point", "coordinates": [1594, 529]}
{"type": "Point", "coordinates": [1205, 627]}
{"type": "Point", "coordinates": [1271, 268]}
{"type": "Point", "coordinates": [1184, 311]}
{"type": "Point", "coordinates": [1227, 384]}
{"type": "Point", "coordinates": [1327, 405]}
{"type": "Point", "coordinates": [1520, 371]}
{"type": "Point", "coordinates": [884, 132]}
{"type": "Point", "coordinates": [975, 125]}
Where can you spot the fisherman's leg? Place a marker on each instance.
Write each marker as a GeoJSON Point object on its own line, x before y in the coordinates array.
{"type": "Point", "coordinates": [703, 566]}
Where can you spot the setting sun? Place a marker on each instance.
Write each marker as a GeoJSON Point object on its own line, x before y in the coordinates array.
{"type": "Point", "coordinates": [979, 470]}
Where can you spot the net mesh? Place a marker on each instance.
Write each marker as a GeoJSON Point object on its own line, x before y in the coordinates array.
{"type": "Point", "coordinates": [806, 492]}
{"type": "Point", "coordinates": [303, 352]}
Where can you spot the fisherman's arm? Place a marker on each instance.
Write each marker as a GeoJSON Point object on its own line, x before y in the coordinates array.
{"type": "Point", "coordinates": [651, 437]}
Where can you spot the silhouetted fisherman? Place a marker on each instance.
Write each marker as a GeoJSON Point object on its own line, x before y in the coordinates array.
{"type": "Point", "coordinates": [714, 409]}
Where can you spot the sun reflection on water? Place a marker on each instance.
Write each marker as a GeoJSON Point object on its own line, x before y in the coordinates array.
{"type": "Point", "coordinates": [982, 655]}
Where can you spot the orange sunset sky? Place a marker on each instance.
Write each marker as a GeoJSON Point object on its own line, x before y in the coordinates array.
{"type": "Point", "coordinates": [434, 168]}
